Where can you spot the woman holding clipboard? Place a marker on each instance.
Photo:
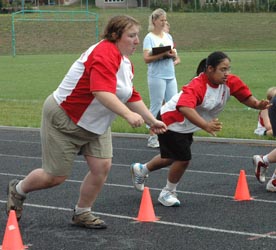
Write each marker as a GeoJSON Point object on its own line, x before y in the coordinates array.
{"type": "Point", "coordinates": [159, 54]}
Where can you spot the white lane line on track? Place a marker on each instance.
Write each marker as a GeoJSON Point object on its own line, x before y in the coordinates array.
{"type": "Point", "coordinates": [127, 165]}
{"type": "Point", "coordinates": [27, 142]}
{"type": "Point", "coordinates": [156, 189]}
{"type": "Point", "coordinates": [142, 150]}
{"type": "Point", "coordinates": [167, 223]}
{"type": "Point", "coordinates": [194, 154]}
{"type": "Point", "coordinates": [145, 150]}
{"type": "Point", "coordinates": [164, 169]}
{"type": "Point", "coordinates": [256, 237]}
{"type": "Point", "coordinates": [270, 143]}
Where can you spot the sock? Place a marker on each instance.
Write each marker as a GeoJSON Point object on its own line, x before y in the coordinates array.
{"type": "Point", "coordinates": [80, 210]}
{"type": "Point", "coordinates": [19, 190]}
{"type": "Point", "coordinates": [265, 159]}
{"type": "Point", "coordinates": [171, 186]}
{"type": "Point", "coordinates": [145, 170]}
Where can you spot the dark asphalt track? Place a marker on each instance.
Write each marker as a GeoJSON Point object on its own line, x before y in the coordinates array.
{"type": "Point", "coordinates": [208, 217]}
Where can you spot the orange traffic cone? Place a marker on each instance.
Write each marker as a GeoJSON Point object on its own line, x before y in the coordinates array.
{"type": "Point", "coordinates": [242, 191]}
{"type": "Point", "coordinates": [146, 211]}
{"type": "Point", "coordinates": [12, 238]}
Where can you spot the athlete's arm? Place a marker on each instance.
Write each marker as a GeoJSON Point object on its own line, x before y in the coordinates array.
{"type": "Point", "coordinates": [209, 126]}
{"type": "Point", "coordinates": [111, 101]}
{"type": "Point", "coordinates": [254, 103]}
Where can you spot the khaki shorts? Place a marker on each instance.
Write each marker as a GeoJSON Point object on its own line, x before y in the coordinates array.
{"type": "Point", "coordinates": [62, 140]}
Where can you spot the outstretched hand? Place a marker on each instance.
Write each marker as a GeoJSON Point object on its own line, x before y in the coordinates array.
{"type": "Point", "coordinates": [263, 104]}
{"type": "Point", "coordinates": [158, 127]}
{"type": "Point", "coordinates": [213, 126]}
{"type": "Point", "coordinates": [135, 120]}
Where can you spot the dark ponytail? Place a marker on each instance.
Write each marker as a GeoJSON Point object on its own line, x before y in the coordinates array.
{"type": "Point", "coordinates": [201, 66]}
{"type": "Point", "coordinates": [215, 58]}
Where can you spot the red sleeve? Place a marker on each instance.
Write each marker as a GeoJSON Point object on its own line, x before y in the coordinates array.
{"type": "Point", "coordinates": [102, 66]}
{"type": "Point", "coordinates": [193, 93]}
{"type": "Point", "coordinates": [238, 88]}
{"type": "Point", "coordinates": [135, 96]}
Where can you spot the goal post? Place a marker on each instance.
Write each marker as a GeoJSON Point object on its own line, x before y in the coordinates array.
{"type": "Point", "coordinates": [46, 32]}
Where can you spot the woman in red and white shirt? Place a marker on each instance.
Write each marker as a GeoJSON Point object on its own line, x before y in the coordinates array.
{"type": "Point", "coordinates": [78, 115]}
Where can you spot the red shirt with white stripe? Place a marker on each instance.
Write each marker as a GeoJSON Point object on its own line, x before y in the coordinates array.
{"type": "Point", "coordinates": [100, 68]}
{"type": "Point", "coordinates": [206, 98]}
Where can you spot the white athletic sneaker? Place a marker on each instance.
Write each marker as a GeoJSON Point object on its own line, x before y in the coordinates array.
{"type": "Point", "coordinates": [271, 185]}
{"type": "Point", "coordinates": [153, 141]}
{"type": "Point", "coordinates": [260, 168]}
{"type": "Point", "coordinates": [138, 178]}
{"type": "Point", "coordinates": [168, 198]}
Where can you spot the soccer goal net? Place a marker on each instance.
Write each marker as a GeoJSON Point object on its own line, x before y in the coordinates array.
{"type": "Point", "coordinates": [48, 32]}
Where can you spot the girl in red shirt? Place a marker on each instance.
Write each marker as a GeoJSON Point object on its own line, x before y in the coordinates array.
{"type": "Point", "coordinates": [196, 107]}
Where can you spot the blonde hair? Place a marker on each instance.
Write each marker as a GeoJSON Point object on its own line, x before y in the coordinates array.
{"type": "Point", "coordinates": [271, 92]}
{"type": "Point", "coordinates": [154, 16]}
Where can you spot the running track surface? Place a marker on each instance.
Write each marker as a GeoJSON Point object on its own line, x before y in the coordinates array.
{"type": "Point", "coordinates": [208, 218]}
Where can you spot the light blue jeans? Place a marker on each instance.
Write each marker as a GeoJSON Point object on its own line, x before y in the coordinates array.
{"type": "Point", "coordinates": [160, 90]}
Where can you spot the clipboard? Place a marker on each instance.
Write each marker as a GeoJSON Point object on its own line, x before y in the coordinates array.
{"type": "Point", "coordinates": [159, 50]}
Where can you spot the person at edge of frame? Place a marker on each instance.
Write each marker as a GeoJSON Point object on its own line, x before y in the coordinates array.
{"type": "Point", "coordinates": [262, 162]}
{"type": "Point", "coordinates": [265, 123]}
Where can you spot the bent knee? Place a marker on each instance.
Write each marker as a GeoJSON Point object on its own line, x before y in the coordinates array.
{"type": "Point", "coordinates": [53, 180]}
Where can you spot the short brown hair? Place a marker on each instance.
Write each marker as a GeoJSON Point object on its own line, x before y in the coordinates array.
{"type": "Point", "coordinates": [116, 27]}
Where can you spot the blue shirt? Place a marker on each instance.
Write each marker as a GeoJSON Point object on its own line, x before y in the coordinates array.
{"type": "Point", "coordinates": [163, 68]}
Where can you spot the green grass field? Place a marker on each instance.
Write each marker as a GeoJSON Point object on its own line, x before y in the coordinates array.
{"type": "Point", "coordinates": [249, 39]}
